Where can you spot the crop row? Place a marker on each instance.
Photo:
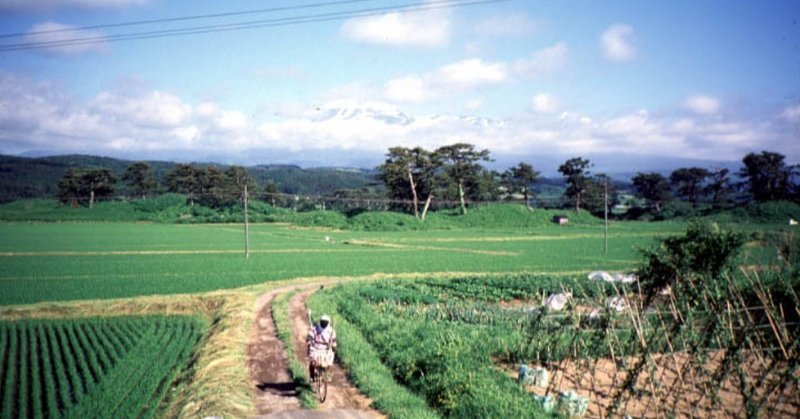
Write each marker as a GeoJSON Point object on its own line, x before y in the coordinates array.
{"type": "Point", "coordinates": [113, 367]}
{"type": "Point", "coordinates": [448, 364]}
{"type": "Point", "coordinates": [487, 289]}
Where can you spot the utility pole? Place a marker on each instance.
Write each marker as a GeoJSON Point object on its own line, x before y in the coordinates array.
{"type": "Point", "coordinates": [605, 216]}
{"type": "Point", "coordinates": [246, 227]}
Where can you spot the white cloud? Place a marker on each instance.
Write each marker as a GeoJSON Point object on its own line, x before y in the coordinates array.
{"type": "Point", "coordinates": [453, 78]}
{"type": "Point", "coordinates": [702, 104]}
{"type": "Point", "coordinates": [544, 103]}
{"type": "Point", "coordinates": [155, 109]}
{"type": "Point", "coordinates": [50, 5]}
{"type": "Point", "coordinates": [212, 118]}
{"type": "Point", "coordinates": [635, 133]}
{"type": "Point", "coordinates": [426, 29]}
{"type": "Point", "coordinates": [186, 134]}
{"type": "Point", "coordinates": [407, 89]}
{"type": "Point", "coordinates": [473, 105]}
{"type": "Point", "coordinates": [544, 61]}
{"type": "Point", "coordinates": [43, 116]}
{"type": "Point", "coordinates": [471, 73]}
{"type": "Point", "coordinates": [507, 25]}
{"type": "Point", "coordinates": [791, 113]}
{"type": "Point", "coordinates": [58, 38]}
{"type": "Point", "coordinates": [617, 43]}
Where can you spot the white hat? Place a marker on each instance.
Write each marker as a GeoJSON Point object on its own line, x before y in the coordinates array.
{"type": "Point", "coordinates": [325, 318]}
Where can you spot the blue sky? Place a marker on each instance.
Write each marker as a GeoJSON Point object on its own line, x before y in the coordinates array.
{"type": "Point", "coordinates": [625, 81]}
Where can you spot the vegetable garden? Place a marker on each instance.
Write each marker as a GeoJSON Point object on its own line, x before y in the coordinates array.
{"type": "Point", "coordinates": [726, 346]}
{"type": "Point", "coordinates": [75, 368]}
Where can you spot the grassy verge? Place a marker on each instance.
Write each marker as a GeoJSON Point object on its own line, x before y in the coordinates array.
{"type": "Point", "coordinates": [298, 370]}
{"type": "Point", "coordinates": [366, 370]}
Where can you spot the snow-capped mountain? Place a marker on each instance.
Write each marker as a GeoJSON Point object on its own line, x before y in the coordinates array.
{"type": "Point", "coordinates": [351, 111]}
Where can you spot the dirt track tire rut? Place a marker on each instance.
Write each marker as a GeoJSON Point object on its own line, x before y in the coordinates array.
{"type": "Point", "coordinates": [267, 362]}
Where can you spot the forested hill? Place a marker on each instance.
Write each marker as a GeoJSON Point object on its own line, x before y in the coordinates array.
{"type": "Point", "coordinates": [22, 177]}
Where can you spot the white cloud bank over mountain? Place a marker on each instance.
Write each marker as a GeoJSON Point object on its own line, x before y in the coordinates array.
{"type": "Point", "coordinates": [42, 116]}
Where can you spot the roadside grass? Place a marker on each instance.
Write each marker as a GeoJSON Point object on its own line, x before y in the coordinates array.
{"type": "Point", "coordinates": [298, 370]}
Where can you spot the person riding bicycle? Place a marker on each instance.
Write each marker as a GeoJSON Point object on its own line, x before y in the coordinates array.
{"type": "Point", "coordinates": [321, 342]}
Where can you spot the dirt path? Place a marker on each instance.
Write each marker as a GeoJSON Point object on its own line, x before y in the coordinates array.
{"type": "Point", "coordinates": [267, 361]}
{"type": "Point", "coordinates": [341, 393]}
{"type": "Point", "coordinates": [273, 388]}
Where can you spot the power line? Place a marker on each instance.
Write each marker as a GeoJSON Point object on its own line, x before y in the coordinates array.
{"type": "Point", "coordinates": [184, 18]}
{"type": "Point", "coordinates": [283, 21]}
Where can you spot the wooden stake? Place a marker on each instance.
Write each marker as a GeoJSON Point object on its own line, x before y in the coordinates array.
{"type": "Point", "coordinates": [605, 215]}
{"type": "Point", "coordinates": [246, 227]}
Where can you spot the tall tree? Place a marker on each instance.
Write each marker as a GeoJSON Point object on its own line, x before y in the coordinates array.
{"type": "Point", "coordinates": [688, 182]}
{"type": "Point", "coordinates": [272, 194]}
{"type": "Point", "coordinates": [86, 185]}
{"type": "Point", "coordinates": [140, 177]}
{"type": "Point", "coordinates": [576, 172]}
{"type": "Point", "coordinates": [599, 188]}
{"type": "Point", "coordinates": [70, 189]}
{"type": "Point", "coordinates": [407, 174]}
{"type": "Point", "coordinates": [719, 186]}
{"type": "Point", "coordinates": [485, 186]}
{"type": "Point", "coordinates": [237, 179]}
{"type": "Point", "coordinates": [653, 187]}
{"type": "Point", "coordinates": [460, 162]}
{"type": "Point", "coordinates": [100, 183]}
{"type": "Point", "coordinates": [185, 179]}
{"type": "Point", "coordinates": [519, 178]}
{"type": "Point", "coordinates": [217, 189]}
{"type": "Point", "coordinates": [766, 176]}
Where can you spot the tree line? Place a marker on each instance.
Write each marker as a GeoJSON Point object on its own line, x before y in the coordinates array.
{"type": "Point", "coordinates": [456, 172]}
{"type": "Point", "coordinates": [416, 177]}
{"type": "Point", "coordinates": [763, 177]}
{"type": "Point", "coordinates": [210, 186]}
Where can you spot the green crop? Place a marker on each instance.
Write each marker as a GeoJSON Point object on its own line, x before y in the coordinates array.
{"type": "Point", "coordinates": [442, 338]}
{"type": "Point", "coordinates": [96, 367]}
{"type": "Point", "coordinates": [52, 262]}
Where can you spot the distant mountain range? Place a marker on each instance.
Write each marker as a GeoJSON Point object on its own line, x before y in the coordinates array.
{"type": "Point", "coordinates": [25, 177]}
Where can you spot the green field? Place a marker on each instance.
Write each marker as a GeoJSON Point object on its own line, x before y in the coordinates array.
{"type": "Point", "coordinates": [48, 262]}
{"type": "Point", "coordinates": [92, 367]}
{"type": "Point", "coordinates": [58, 262]}
{"type": "Point", "coordinates": [446, 308]}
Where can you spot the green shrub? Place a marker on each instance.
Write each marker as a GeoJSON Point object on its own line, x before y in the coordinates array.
{"type": "Point", "coordinates": [158, 203]}
{"type": "Point", "coordinates": [330, 219]}
{"type": "Point", "coordinates": [704, 253]}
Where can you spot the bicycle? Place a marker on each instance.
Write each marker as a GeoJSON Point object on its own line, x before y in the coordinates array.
{"type": "Point", "coordinates": [321, 374]}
